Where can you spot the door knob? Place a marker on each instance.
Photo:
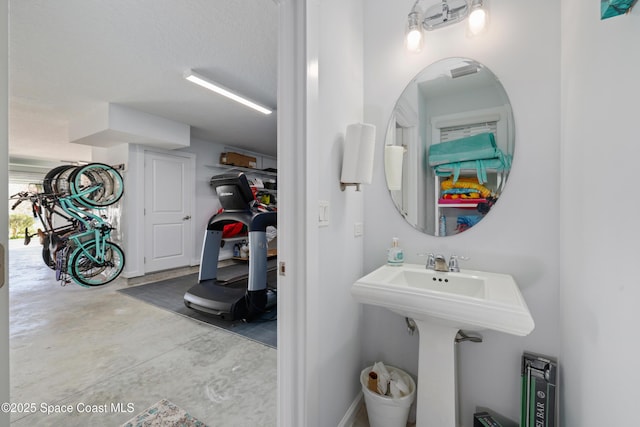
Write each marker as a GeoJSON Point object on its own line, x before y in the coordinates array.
{"type": "Point", "coordinates": [186, 217]}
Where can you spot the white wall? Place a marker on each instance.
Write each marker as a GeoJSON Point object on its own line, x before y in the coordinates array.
{"type": "Point", "coordinates": [118, 155]}
{"type": "Point", "coordinates": [4, 236]}
{"type": "Point", "coordinates": [600, 290]}
{"type": "Point", "coordinates": [129, 224]}
{"type": "Point", "coordinates": [334, 100]}
{"type": "Point", "coordinates": [521, 235]}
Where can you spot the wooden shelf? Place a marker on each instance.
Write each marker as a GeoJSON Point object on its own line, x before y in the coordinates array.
{"type": "Point", "coordinates": [270, 254]}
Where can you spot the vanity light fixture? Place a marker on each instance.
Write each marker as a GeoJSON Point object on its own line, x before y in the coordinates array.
{"type": "Point", "coordinates": [478, 17]}
{"type": "Point", "coordinates": [221, 90]}
{"type": "Point", "coordinates": [414, 39]}
{"type": "Point", "coordinates": [443, 14]}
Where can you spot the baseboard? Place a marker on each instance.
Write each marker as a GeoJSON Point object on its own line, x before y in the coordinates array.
{"type": "Point", "coordinates": [131, 274]}
{"type": "Point", "coordinates": [159, 275]}
{"type": "Point", "coordinates": [350, 417]}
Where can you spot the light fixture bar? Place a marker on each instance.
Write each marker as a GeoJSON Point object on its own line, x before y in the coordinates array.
{"type": "Point", "coordinates": [464, 70]}
{"type": "Point", "coordinates": [443, 14]}
{"type": "Point", "coordinates": [221, 90]}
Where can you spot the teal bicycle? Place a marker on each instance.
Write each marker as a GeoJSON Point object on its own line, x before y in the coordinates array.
{"type": "Point", "coordinates": [80, 249]}
{"type": "Point", "coordinates": [88, 256]}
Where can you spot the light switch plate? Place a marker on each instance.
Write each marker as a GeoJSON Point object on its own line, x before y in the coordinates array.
{"type": "Point", "coordinates": [323, 213]}
{"type": "Point", "coordinates": [358, 229]}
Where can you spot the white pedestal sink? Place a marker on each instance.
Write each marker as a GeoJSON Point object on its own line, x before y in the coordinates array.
{"type": "Point", "coordinates": [442, 303]}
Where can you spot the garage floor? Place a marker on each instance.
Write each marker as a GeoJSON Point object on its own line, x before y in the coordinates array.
{"type": "Point", "coordinates": [76, 351]}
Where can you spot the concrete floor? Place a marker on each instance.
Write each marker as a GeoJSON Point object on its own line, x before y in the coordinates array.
{"type": "Point", "coordinates": [71, 347]}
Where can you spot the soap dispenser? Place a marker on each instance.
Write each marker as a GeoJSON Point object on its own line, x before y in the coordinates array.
{"type": "Point", "coordinates": [395, 255]}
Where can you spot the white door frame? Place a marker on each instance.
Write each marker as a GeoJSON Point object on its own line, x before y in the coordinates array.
{"type": "Point", "coordinates": [292, 214]}
{"type": "Point", "coordinates": [134, 189]}
{"type": "Point", "coordinates": [292, 384]}
{"type": "Point", "coordinates": [4, 217]}
{"type": "Point", "coordinates": [191, 177]}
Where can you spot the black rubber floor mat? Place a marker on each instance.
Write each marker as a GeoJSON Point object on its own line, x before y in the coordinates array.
{"type": "Point", "coordinates": [169, 294]}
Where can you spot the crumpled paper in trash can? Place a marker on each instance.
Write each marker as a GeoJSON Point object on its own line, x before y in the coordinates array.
{"type": "Point", "coordinates": [389, 384]}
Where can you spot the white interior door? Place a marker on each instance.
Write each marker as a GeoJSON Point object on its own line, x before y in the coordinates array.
{"type": "Point", "coordinates": [169, 184]}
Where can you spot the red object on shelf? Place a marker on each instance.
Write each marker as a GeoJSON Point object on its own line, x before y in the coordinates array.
{"type": "Point", "coordinates": [233, 230]}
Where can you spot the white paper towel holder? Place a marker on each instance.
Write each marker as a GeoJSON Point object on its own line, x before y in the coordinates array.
{"type": "Point", "coordinates": [344, 185]}
{"type": "Point", "coordinates": [358, 155]}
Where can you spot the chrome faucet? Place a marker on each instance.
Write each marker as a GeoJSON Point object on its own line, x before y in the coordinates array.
{"type": "Point", "coordinates": [431, 262]}
{"type": "Point", "coordinates": [440, 264]}
{"type": "Point", "coordinates": [436, 262]}
{"type": "Point", "coordinates": [453, 264]}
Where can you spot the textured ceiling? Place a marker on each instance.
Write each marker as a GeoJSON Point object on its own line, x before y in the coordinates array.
{"type": "Point", "coordinates": [67, 57]}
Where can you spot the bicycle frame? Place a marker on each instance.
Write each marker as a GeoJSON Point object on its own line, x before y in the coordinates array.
{"type": "Point", "coordinates": [47, 204]}
{"type": "Point", "coordinates": [95, 227]}
{"type": "Point", "coordinates": [80, 249]}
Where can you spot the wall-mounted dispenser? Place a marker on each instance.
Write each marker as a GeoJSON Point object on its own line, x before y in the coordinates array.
{"type": "Point", "coordinates": [357, 162]}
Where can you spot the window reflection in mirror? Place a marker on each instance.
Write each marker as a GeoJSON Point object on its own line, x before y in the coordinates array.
{"type": "Point", "coordinates": [448, 146]}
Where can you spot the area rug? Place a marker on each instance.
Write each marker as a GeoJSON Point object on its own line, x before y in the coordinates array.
{"type": "Point", "coordinates": [164, 414]}
{"type": "Point", "coordinates": [169, 294]}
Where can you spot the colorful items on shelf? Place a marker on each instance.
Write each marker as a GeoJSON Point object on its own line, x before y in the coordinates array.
{"type": "Point", "coordinates": [464, 222]}
{"type": "Point", "coordinates": [464, 188]}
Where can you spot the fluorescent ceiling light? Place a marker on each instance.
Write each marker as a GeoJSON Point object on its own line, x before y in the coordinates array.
{"type": "Point", "coordinates": [221, 90]}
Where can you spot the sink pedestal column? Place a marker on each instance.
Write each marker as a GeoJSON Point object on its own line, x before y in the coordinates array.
{"type": "Point", "coordinates": [436, 398]}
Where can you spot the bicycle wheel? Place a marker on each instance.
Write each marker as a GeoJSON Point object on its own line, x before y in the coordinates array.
{"type": "Point", "coordinates": [88, 273]}
{"type": "Point", "coordinates": [46, 253]}
{"type": "Point", "coordinates": [51, 179]}
{"type": "Point", "coordinates": [106, 181]}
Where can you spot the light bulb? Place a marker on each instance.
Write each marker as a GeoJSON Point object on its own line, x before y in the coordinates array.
{"type": "Point", "coordinates": [413, 33]}
{"type": "Point", "coordinates": [477, 21]}
{"type": "Point", "coordinates": [414, 40]}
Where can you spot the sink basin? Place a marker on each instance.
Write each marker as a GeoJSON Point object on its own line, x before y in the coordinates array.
{"type": "Point", "coordinates": [455, 283]}
{"type": "Point", "coordinates": [469, 299]}
{"type": "Point", "coordinates": [442, 303]}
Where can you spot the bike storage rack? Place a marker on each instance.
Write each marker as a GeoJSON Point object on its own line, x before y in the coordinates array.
{"type": "Point", "coordinates": [76, 237]}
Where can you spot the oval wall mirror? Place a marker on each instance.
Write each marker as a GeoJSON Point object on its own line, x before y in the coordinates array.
{"type": "Point", "coordinates": [448, 146]}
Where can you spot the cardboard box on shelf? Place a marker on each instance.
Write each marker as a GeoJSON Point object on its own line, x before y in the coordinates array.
{"type": "Point", "coordinates": [237, 159]}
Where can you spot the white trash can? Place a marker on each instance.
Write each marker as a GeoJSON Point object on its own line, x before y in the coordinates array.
{"type": "Point", "coordinates": [386, 411]}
